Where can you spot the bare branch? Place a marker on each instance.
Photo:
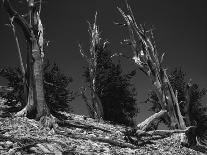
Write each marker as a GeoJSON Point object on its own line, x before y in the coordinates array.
{"type": "Point", "coordinates": [146, 124]}
{"type": "Point", "coordinates": [18, 49]}
{"type": "Point", "coordinates": [92, 64]}
{"type": "Point", "coordinates": [147, 61]}
{"type": "Point", "coordinates": [18, 19]}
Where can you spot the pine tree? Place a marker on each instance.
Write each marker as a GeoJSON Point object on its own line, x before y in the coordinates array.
{"type": "Point", "coordinates": [56, 88]}
{"type": "Point", "coordinates": [114, 89]}
{"type": "Point", "coordinates": [57, 91]}
{"type": "Point", "coordinates": [32, 71]}
{"type": "Point", "coordinates": [197, 111]}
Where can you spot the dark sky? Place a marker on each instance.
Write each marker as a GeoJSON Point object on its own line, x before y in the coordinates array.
{"type": "Point", "coordinates": [180, 31]}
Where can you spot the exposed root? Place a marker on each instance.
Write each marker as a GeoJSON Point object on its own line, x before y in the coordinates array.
{"type": "Point", "coordinates": [135, 140]}
{"type": "Point", "coordinates": [137, 134]}
{"type": "Point", "coordinates": [146, 124]}
{"type": "Point", "coordinates": [48, 121]}
{"type": "Point", "coordinates": [168, 132]}
{"type": "Point", "coordinates": [22, 113]}
{"type": "Point", "coordinates": [141, 130]}
{"type": "Point", "coordinates": [67, 133]}
{"type": "Point", "coordinates": [76, 124]}
{"type": "Point", "coordinates": [162, 133]}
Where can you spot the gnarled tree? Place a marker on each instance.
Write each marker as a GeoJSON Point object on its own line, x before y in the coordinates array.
{"type": "Point", "coordinates": [190, 103]}
{"type": "Point", "coordinates": [147, 60]}
{"type": "Point", "coordinates": [114, 88]}
{"type": "Point", "coordinates": [91, 58]}
{"type": "Point", "coordinates": [33, 74]}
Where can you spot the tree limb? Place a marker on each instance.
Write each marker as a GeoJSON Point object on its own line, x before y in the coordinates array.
{"type": "Point", "coordinates": [146, 124]}
{"type": "Point", "coordinates": [77, 124]}
{"type": "Point", "coordinates": [162, 133]}
{"type": "Point", "coordinates": [18, 49]}
{"type": "Point", "coordinates": [99, 139]}
{"type": "Point", "coordinates": [18, 19]}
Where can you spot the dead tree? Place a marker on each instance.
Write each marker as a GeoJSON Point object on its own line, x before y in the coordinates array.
{"type": "Point", "coordinates": [91, 58]}
{"type": "Point", "coordinates": [146, 58]}
{"type": "Point", "coordinates": [33, 74]}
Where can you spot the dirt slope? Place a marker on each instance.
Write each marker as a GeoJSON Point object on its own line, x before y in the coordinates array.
{"type": "Point", "coordinates": [23, 136]}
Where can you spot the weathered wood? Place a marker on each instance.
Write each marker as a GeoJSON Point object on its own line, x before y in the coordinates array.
{"type": "Point", "coordinates": [146, 58]}
{"type": "Point", "coordinates": [91, 58]}
{"type": "Point", "coordinates": [79, 124]}
{"type": "Point", "coordinates": [147, 123]}
{"type": "Point", "coordinates": [96, 139]}
{"type": "Point", "coordinates": [162, 133]}
{"type": "Point", "coordinates": [33, 32]}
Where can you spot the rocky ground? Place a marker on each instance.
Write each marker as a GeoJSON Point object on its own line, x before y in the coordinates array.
{"type": "Point", "coordinates": [20, 136]}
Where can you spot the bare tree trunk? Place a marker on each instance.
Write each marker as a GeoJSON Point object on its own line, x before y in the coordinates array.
{"type": "Point", "coordinates": [21, 62]}
{"type": "Point", "coordinates": [92, 65]}
{"type": "Point", "coordinates": [37, 82]}
{"type": "Point", "coordinates": [146, 58]}
{"type": "Point", "coordinates": [33, 32]}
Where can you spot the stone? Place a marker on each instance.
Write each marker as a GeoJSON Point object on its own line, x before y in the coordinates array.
{"type": "Point", "coordinates": [8, 144]}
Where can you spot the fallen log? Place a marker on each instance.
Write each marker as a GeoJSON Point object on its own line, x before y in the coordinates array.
{"type": "Point", "coordinates": [146, 124]}
{"type": "Point", "coordinates": [110, 141]}
{"type": "Point", "coordinates": [77, 124]}
{"type": "Point", "coordinates": [162, 132]}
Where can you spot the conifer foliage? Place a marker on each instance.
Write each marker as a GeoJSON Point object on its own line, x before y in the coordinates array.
{"type": "Point", "coordinates": [15, 98]}
{"type": "Point", "coordinates": [56, 87]}
{"type": "Point", "coordinates": [58, 94]}
{"type": "Point", "coordinates": [115, 90]}
{"type": "Point", "coordinates": [197, 111]}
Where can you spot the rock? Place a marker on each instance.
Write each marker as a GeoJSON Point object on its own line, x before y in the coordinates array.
{"type": "Point", "coordinates": [8, 144]}
{"type": "Point", "coordinates": [12, 151]}
{"type": "Point", "coordinates": [36, 150]}
{"type": "Point", "coordinates": [43, 148]}
{"type": "Point", "coordinates": [6, 134]}
{"type": "Point", "coordinates": [54, 149]}
{"type": "Point", "coordinates": [79, 141]}
{"type": "Point", "coordinates": [15, 144]}
{"type": "Point", "coordinates": [18, 153]}
{"type": "Point", "coordinates": [2, 143]}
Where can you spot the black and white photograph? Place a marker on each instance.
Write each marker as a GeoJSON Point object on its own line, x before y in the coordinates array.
{"type": "Point", "coordinates": [103, 77]}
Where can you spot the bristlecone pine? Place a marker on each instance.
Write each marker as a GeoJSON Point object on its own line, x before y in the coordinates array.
{"type": "Point", "coordinates": [91, 57]}
{"type": "Point", "coordinates": [33, 75]}
{"type": "Point", "coordinates": [147, 60]}
{"type": "Point", "coordinates": [75, 134]}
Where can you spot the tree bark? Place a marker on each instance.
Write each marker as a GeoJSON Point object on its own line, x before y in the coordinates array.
{"type": "Point", "coordinates": [146, 124]}
{"type": "Point", "coordinates": [36, 106]}
{"type": "Point", "coordinates": [146, 58]}
{"type": "Point", "coordinates": [92, 65]}
{"type": "Point", "coordinates": [163, 132]}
